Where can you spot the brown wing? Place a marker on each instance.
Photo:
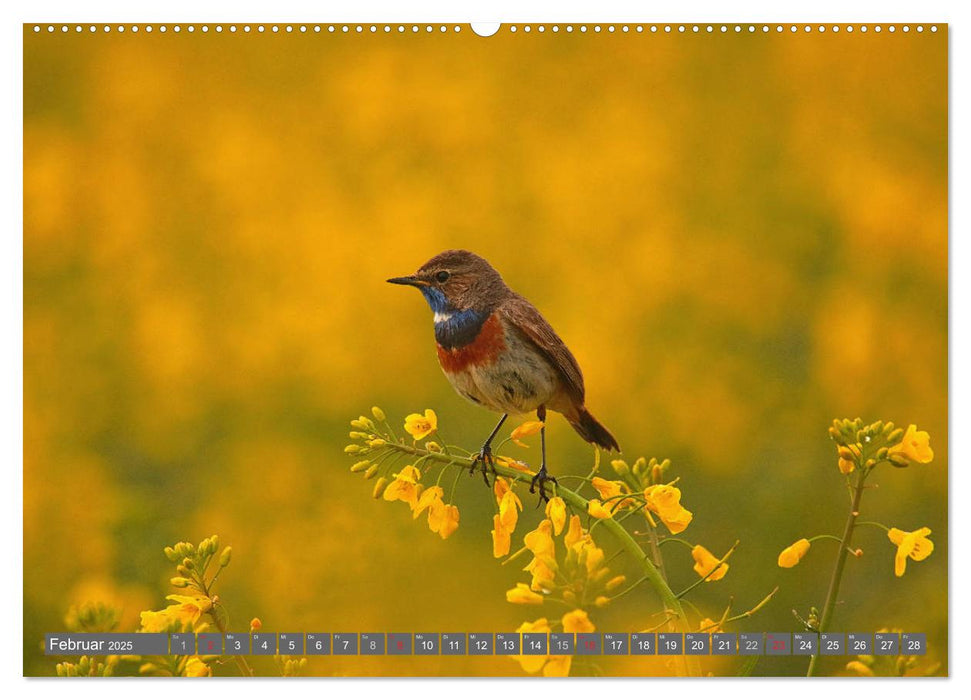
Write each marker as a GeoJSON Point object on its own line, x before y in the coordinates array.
{"type": "Point", "coordinates": [535, 328]}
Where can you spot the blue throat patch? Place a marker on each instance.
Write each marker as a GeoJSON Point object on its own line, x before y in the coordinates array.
{"type": "Point", "coordinates": [436, 299]}
{"type": "Point", "coordinates": [457, 328]}
{"type": "Point", "coordinates": [460, 328]}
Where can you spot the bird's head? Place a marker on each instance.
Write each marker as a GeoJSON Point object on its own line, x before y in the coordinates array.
{"type": "Point", "coordinates": [456, 280]}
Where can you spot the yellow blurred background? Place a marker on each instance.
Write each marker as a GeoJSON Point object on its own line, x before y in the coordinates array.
{"type": "Point", "coordinates": [741, 237]}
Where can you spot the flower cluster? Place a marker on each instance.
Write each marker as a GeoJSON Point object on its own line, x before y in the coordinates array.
{"type": "Point", "coordinates": [551, 665]}
{"type": "Point", "coordinates": [567, 566]}
{"type": "Point", "coordinates": [86, 666]}
{"type": "Point", "coordinates": [576, 578]}
{"type": "Point", "coordinates": [197, 608]}
{"type": "Point", "coordinates": [194, 610]}
{"type": "Point", "coordinates": [860, 449]}
{"type": "Point", "coordinates": [378, 442]}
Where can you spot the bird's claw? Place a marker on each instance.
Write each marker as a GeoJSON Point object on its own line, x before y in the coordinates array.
{"type": "Point", "coordinates": [488, 464]}
{"type": "Point", "coordinates": [541, 479]}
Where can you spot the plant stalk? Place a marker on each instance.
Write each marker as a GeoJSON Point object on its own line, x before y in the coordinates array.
{"type": "Point", "coordinates": [844, 550]}
{"type": "Point", "coordinates": [651, 573]}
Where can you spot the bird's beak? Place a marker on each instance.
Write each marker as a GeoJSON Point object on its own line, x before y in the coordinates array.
{"type": "Point", "coordinates": [412, 280]}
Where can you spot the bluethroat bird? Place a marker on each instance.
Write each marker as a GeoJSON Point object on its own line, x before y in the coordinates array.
{"type": "Point", "coordinates": [499, 352]}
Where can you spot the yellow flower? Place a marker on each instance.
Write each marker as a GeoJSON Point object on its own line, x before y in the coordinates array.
{"type": "Point", "coordinates": [501, 539]}
{"type": "Point", "coordinates": [184, 615]}
{"type": "Point", "coordinates": [543, 572]}
{"type": "Point", "coordinates": [574, 533]}
{"type": "Point", "coordinates": [665, 501]}
{"type": "Point", "coordinates": [915, 445]}
{"type": "Point", "coordinates": [189, 608]}
{"type": "Point", "coordinates": [910, 544]}
{"type": "Point", "coordinates": [421, 426]}
{"type": "Point", "coordinates": [556, 512]}
{"type": "Point", "coordinates": [509, 507]}
{"type": "Point", "coordinates": [846, 465]}
{"type": "Point", "coordinates": [514, 464]}
{"type": "Point", "coordinates": [532, 663]}
{"type": "Point", "coordinates": [543, 565]}
{"type": "Point", "coordinates": [540, 541]}
{"type": "Point", "coordinates": [523, 595]}
{"type": "Point", "coordinates": [577, 621]}
{"type": "Point", "coordinates": [611, 489]}
{"type": "Point", "coordinates": [527, 429]}
{"type": "Point", "coordinates": [709, 625]}
{"type": "Point", "coordinates": [573, 622]}
{"type": "Point", "coordinates": [430, 499]}
{"type": "Point", "coordinates": [404, 487]}
{"type": "Point", "coordinates": [793, 554]}
{"type": "Point", "coordinates": [594, 556]}
{"type": "Point", "coordinates": [156, 621]}
{"type": "Point", "coordinates": [196, 668]}
{"type": "Point", "coordinates": [859, 668]}
{"type": "Point", "coordinates": [449, 522]}
{"type": "Point", "coordinates": [706, 562]}
{"type": "Point", "coordinates": [597, 509]}
{"type": "Point", "coordinates": [255, 625]}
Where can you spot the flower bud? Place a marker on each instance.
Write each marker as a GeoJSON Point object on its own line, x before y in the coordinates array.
{"type": "Point", "coordinates": [352, 449]}
{"type": "Point", "coordinates": [171, 554]}
{"type": "Point", "coordinates": [226, 556]}
{"type": "Point", "coordinates": [616, 582]}
{"type": "Point", "coordinates": [179, 581]}
{"type": "Point", "coordinates": [888, 428]}
{"type": "Point", "coordinates": [357, 435]}
{"type": "Point", "coordinates": [882, 453]}
{"type": "Point", "coordinates": [895, 437]}
{"type": "Point", "coordinates": [377, 442]}
{"type": "Point", "coordinates": [898, 460]}
{"type": "Point", "coordinates": [657, 474]}
{"type": "Point", "coordinates": [570, 597]}
{"type": "Point", "coordinates": [371, 471]}
{"type": "Point", "coordinates": [377, 413]}
{"type": "Point", "coordinates": [602, 601]}
{"type": "Point", "coordinates": [360, 466]}
{"type": "Point", "coordinates": [187, 563]}
{"type": "Point", "coordinates": [379, 486]}
{"type": "Point", "coordinates": [620, 466]}
{"type": "Point", "coordinates": [255, 625]}
{"type": "Point", "coordinates": [844, 452]}
{"type": "Point", "coordinates": [433, 447]}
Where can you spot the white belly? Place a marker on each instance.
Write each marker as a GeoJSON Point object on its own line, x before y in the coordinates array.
{"type": "Point", "coordinates": [519, 381]}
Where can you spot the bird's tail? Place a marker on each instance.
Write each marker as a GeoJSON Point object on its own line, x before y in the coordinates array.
{"type": "Point", "coordinates": [592, 430]}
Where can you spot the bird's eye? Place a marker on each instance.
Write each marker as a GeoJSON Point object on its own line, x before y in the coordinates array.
{"type": "Point", "coordinates": [442, 276]}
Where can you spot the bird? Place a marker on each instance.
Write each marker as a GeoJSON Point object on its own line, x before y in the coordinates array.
{"type": "Point", "coordinates": [498, 351]}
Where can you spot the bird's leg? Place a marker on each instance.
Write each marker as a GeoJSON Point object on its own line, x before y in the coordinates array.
{"type": "Point", "coordinates": [485, 454]}
{"type": "Point", "coordinates": [542, 476]}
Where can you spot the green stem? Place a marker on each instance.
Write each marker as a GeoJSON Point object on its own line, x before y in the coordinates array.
{"type": "Point", "coordinates": [837, 578]}
{"type": "Point", "coordinates": [668, 599]}
{"type": "Point", "coordinates": [656, 551]}
{"type": "Point", "coordinates": [221, 626]}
